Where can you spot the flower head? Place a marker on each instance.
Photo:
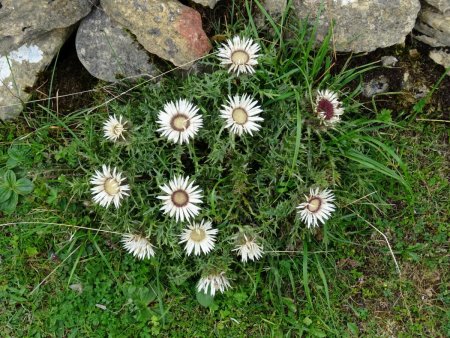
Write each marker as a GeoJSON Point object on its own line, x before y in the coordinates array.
{"type": "Point", "coordinates": [181, 198]}
{"type": "Point", "coordinates": [199, 237]}
{"type": "Point", "coordinates": [138, 246]}
{"type": "Point", "coordinates": [241, 114]}
{"type": "Point", "coordinates": [114, 128]}
{"type": "Point", "coordinates": [179, 121]}
{"type": "Point", "coordinates": [247, 248]}
{"type": "Point", "coordinates": [318, 207]}
{"type": "Point", "coordinates": [107, 187]}
{"type": "Point", "coordinates": [240, 54]}
{"type": "Point", "coordinates": [212, 283]}
{"type": "Point", "coordinates": [328, 107]}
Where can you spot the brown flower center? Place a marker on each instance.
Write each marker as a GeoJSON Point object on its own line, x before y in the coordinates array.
{"type": "Point", "coordinates": [111, 186]}
{"type": "Point", "coordinates": [180, 198]}
{"type": "Point", "coordinates": [326, 107]}
{"type": "Point", "coordinates": [240, 57]}
{"type": "Point", "coordinates": [198, 235]}
{"type": "Point", "coordinates": [314, 204]}
{"type": "Point", "coordinates": [239, 116]}
{"type": "Point", "coordinates": [180, 122]}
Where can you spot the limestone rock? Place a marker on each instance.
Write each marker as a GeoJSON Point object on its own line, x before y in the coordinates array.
{"type": "Point", "coordinates": [275, 8]}
{"type": "Point", "coordinates": [108, 51]}
{"type": "Point", "coordinates": [19, 69]}
{"type": "Point", "coordinates": [442, 58]}
{"type": "Point", "coordinates": [164, 27]}
{"type": "Point", "coordinates": [435, 27]}
{"type": "Point", "coordinates": [22, 20]}
{"type": "Point", "coordinates": [361, 25]}
{"type": "Point", "coordinates": [442, 5]}
{"type": "Point", "coordinates": [210, 3]}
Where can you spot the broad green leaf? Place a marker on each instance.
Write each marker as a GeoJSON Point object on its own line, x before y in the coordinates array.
{"type": "Point", "coordinates": [204, 299]}
{"type": "Point", "coordinates": [10, 204]}
{"type": "Point", "coordinates": [11, 163]}
{"type": "Point", "coordinates": [18, 155]}
{"type": "Point", "coordinates": [24, 186]}
{"type": "Point", "coordinates": [5, 193]}
{"type": "Point", "coordinates": [10, 178]}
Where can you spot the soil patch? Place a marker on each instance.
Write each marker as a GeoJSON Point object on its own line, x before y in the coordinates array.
{"type": "Point", "coordinates": [70, 81]}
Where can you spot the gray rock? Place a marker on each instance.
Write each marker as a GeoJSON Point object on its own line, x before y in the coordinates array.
{"type": "Point", "coordinates": [20, 67]}
{"type": "Point", "coordinates": [210, 3]}
{"type": "Point", "coordinates": [442, 5]}
{"type": "Point", "coordinates": [275, 8]}
{"type": "Point", "coordinates": [24, 20]}
{"type": "Point", "coordinates": [376, 86]}
{"type": "Point", "coordinates": [435, 27]}
{"type": "Point", "coordinates": [108, 51]}
{"type": "Point", "coordinates": [442, 58]}
{"type": "Point", "coordinates": [164, 27]}
{"type": "Point", "coordinates": [361, 25]}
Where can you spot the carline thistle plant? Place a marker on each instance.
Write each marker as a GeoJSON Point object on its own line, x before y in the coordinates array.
{"type": "Point", "coordinates": [179, 122]}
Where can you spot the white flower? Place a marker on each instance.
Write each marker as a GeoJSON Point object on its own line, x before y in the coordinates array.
{"type": "Point", "coordinates": [138, 246]}
{"type": "Point", "coordinates": [241, 114]}
{"type": "Point", "coordinates": [212, 283]}
{"type": "Point", "coordinates": [114, 128]}
{"type": "Point", "coordinates": [107, 187]}
{"type": "Point", "coordinates": [179, 121]}
{"type": "Point", "coordinates": [248, 249]}
{"type": "Point", "coordinates": [181, 198]}
{"type": "Point", "coordinates": [199, 237]}
{"type": "Point", "coordinates": [318, 207]}
{"type": "Point", "coordinates": [240, 54]}
{"type": "Point", "coordinates": [328, 107]}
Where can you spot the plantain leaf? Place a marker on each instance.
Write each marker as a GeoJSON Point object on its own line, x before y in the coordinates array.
{"type": "Point", "coordinates": [10, 204]}
{"type": "Point", "coordinates": [10, 179]}
{"type": "Point", "coordinates": [24, 186]}
{"type": "Point", "coordinates": [5, 193]}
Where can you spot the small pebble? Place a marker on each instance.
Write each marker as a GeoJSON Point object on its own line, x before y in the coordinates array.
{"type": "Point", "coordinates": [375, 86]}
{"type": "Point", "coordinates": [101, 306]}
{"type": "Point", "coordinates": [76, 287]}
{"type": "Point", "coordinates": [414, 53]}
{"type": "Point", "coordinates": [389, 61]}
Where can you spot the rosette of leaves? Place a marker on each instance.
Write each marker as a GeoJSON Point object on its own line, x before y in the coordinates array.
{"type": "Point", "coordinates": [11, 188]}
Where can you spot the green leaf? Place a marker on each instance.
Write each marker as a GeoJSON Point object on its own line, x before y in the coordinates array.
{"type": "Point", "coordinates": [24, 186]}
{"type": "Point", "coordinates": [11, 163]}
{"type": "Point", "coordinates": [18, 155]}
{"type": "Point", "coordinates": [353, 328]}
{"type": "Point", "coordinates": [5, 193]}
{"type": "Point", "coordinates": [307, 321]}
{"type": "Point", "coordinates": [369, 163]}
{"type": "Point", "coordinates": [10, 178]}
{"type": "Point", "coordinates": [317, 333]}
{"type": "Point", "coordinates": [31, 251]}
{"type": "Point", "coordinates": [204, 299]}
{"type": "Point", "coordinates": [10, 204]}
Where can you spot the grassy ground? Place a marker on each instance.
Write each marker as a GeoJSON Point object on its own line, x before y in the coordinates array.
{"type": "Point", "coordinates": [342, 280]}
